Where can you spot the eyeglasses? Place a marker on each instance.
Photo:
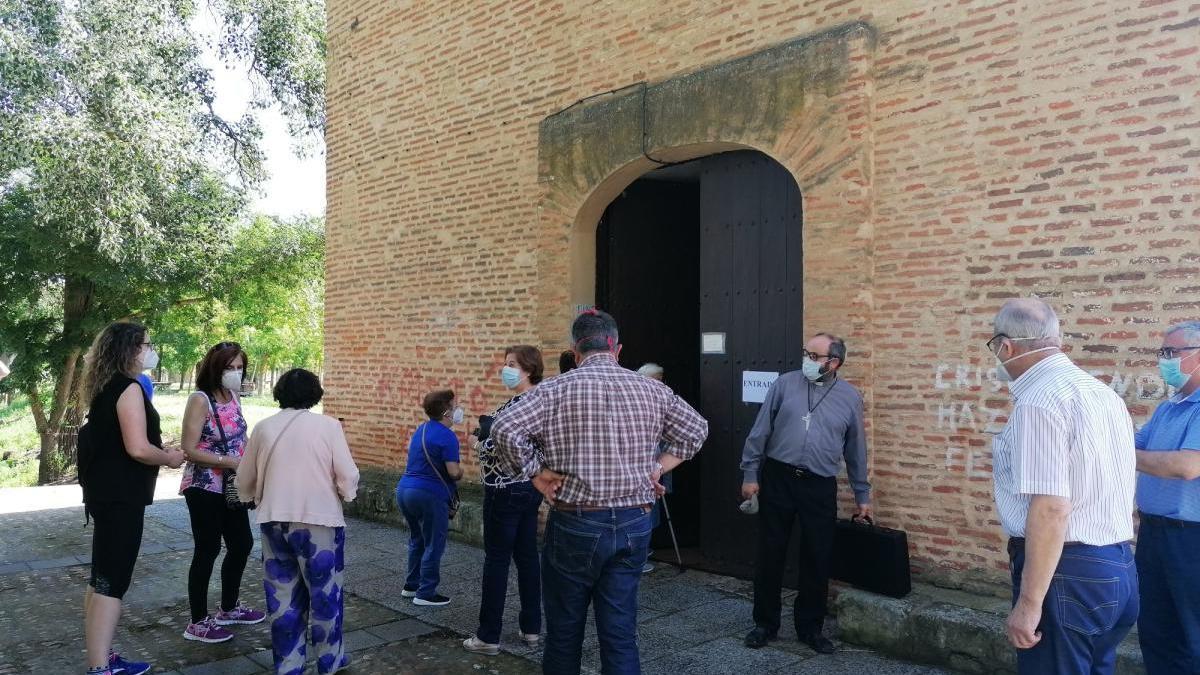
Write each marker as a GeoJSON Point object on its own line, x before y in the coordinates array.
{"type": "Point", "coordinates": [1172, 352]}
{"type": "Point", "coordinates": [993, 343]}
{"type": "Point", "coordinates": [815, 356]}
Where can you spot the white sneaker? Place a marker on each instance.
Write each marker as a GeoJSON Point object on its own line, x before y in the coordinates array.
{"type": "Point", "coordinates": [407, 592]}
{"type": "Point", "coordinates": [530, 639]}
{"type": "Point", "coordinates": [474, 644]}
{"type": "Point", "coordinates": [647, 568]}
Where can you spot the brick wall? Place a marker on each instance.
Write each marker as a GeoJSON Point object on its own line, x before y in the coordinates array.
{"type": "Point", "coordinates": [976, 151]}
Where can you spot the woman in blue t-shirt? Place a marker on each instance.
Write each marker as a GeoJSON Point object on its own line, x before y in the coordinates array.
{"type": "Point", "coordinates": [424, 495]}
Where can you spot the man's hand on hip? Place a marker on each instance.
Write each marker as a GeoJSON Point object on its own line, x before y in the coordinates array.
{"type": "Point", "coordinates": [749, 490]}
{"type": "Point", "coordinates": [548, 483]}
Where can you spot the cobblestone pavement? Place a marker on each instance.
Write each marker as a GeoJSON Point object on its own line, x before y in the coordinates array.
{"type": "Point", "coordinates": [689, 623]}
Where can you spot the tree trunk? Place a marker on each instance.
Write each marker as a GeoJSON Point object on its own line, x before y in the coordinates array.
{"type": "Point", "coordinates": [77, 302]}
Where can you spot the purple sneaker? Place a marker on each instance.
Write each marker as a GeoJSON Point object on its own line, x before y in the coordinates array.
{"type": "Point", "coordinates": [207, 630]}
{"type": "Point", "coordinates": [240, 614]}
{"type": "Point", "coordinates": [120, 666]}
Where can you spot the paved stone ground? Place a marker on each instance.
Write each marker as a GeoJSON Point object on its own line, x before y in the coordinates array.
{"type": "Point", "coordinates": [689, 623]}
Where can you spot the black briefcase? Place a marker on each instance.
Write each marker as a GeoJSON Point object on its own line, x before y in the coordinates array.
{"type": "Point", "coordinates": [871, 558]}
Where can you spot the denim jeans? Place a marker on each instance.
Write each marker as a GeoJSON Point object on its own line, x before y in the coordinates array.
{"type": "Point", "coordinates": [510, 520]}
{"type": "Point", "coordinates": [1168, 564]}
{"type": "Point", "coordinates": [428, 516]}
{"type": "Point", "coordinates": [1090, 607]}
{"type": "Point", "coordinates": [596, 558]}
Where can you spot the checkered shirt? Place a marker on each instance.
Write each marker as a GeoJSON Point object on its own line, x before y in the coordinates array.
{"type": "Point", "coordinates": [600, 425]}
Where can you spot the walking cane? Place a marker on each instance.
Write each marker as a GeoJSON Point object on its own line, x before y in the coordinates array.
{"type": "Point", "coordinates": [671, 528]}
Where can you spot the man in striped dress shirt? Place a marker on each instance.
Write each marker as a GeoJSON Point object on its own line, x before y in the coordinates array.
{"type": "Point", "coordinates": [591, 441]}
{"type": "Point", "coordinates": [1064, 482]}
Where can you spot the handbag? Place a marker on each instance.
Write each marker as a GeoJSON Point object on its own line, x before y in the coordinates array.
{"type": "Point", "coordinates": [233, 500]}
{"type": "Point", "coordinates": [872, 558]}
{"type": "Point", "coordinates": [454, 500]}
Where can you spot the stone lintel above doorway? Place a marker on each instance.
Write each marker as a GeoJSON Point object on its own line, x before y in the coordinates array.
{"type": "Point", "coordinates": [748, 102]}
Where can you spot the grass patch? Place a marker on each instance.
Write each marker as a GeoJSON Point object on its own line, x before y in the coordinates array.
{"type": "Point", "coordinates": [19, 440]}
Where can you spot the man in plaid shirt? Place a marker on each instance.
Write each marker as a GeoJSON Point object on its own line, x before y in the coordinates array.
{"type": "Point", "coordinates": [590, 438]}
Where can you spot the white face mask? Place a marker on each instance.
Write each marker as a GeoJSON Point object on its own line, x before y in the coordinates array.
{"type": "Point", "coordinates": [232, 380]}
{"type": "Point", "coordinates": [456, 417]}
{"type": "Point", "coordinates": [1002, 374]}
{"type": "Point", "coordinates": [150, 359]}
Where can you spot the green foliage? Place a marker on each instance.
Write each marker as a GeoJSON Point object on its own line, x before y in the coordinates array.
{"type": "Point", "coordinates": [284, 43]}
{"type": "Point", "coordinates": [271, 301]}
{"type": "Point", "coordinates": [121, 188]}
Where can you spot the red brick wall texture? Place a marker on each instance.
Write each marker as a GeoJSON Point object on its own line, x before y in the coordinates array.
{"type": "Point", "coordinates": [975, 151]}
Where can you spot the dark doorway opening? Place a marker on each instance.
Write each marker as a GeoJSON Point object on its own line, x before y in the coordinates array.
{"type": "Point", "coordinates": [648, 278]}
{"type": "Point", "coordinates": [709, 246]}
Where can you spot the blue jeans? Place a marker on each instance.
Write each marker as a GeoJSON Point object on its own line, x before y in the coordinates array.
{"type": "Point", "coordinates": [428, 516]}
{"type": "Point", "coordinates": [593, 558]}
{"type": "Point", "coordinates": [1091, 606]}
{"type": "Point", "coordinates": [1168, 564]}
{"type": "Point", "coordinates": [510, 520]}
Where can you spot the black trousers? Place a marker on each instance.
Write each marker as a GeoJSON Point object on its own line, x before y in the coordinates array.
{"type": "Point", "coordinates": [784, 496]}
{"type": "Point", "coordinates": [211, 522]}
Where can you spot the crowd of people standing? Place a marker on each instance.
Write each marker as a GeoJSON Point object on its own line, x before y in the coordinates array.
{"type": "Point", "coordinates": [298, 501]}
{"type": "Point", "coordinates": [595, 444]}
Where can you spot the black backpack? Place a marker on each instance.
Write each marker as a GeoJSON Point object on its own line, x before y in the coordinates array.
{"type": "Point", "coordinates": [85, 455]}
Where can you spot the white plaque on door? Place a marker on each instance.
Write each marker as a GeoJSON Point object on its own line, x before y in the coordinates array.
{"type": "Point", "coordinates": [755, 384]}
{"type": "Point", "coordinates": [712, 343]}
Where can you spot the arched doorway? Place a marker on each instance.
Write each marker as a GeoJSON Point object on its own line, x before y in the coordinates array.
{"type": "Point", "coordinates": [701, 264]}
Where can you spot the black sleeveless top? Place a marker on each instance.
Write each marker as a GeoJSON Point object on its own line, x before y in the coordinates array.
{"type": "Point", "coordinates": [110, 474]}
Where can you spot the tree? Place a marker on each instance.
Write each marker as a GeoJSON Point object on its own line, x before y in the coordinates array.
{"type": "Point", "coordinates": [271, 301]}
{"type": "Point", "coordinates": [119, 184]}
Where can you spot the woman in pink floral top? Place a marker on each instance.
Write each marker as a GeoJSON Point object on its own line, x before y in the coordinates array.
{"type": "Point", "coordinates": [214, 440]}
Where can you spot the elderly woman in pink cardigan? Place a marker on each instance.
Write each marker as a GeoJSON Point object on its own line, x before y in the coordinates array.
{"type": "Point", "coordinates": [298, 469]}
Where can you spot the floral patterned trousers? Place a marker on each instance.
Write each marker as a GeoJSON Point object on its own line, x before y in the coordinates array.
{"type": "Point", "coordinates": [302, 575]}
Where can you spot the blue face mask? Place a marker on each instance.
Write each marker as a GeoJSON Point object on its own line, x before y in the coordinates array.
{"type": "Point", "coordinates": [510, 376]}
{"type": "Point", "coordinates": [1172, 372]}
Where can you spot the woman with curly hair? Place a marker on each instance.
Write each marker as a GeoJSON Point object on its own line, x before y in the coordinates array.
{"type": "Point", "coordinates": [120, 450]}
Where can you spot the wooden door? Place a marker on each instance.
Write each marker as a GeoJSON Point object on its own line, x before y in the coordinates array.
{"type": "Point", "coordinates": [751, 276]}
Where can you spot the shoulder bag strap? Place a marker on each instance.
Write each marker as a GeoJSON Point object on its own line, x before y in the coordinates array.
{"type": "Point", "coordinates": [430, 461]}
{"type": "Point", "coordinates": [271, 451]}
{"type": "Point", "coordinates": [216, 418]}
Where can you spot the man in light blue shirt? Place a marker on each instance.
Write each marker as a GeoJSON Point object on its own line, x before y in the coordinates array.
{"type": "Point", "coordinates": [1168, 497]}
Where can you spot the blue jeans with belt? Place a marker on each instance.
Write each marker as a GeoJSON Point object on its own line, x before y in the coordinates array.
{"type": "Point", "coordinates": [593, 558]}
{"type": "Point", "coordinates": [510, 520]}
{"type": "Point", "coordinates": [1168, 563]}
{"type": "Point", "coordinates": [1090, 607]}
{"type": "Point", "coordinates": [428, 517]}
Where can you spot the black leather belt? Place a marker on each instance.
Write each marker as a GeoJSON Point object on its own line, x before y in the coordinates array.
{"type": "Point", "coordinates": [1017, 544]}
{"type": "Point", "coordinates": [797, 471]}
{"type": "Point", "coordinates": [1167, 522]}
{"type": "Point", "coordinates": [581, 508]}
